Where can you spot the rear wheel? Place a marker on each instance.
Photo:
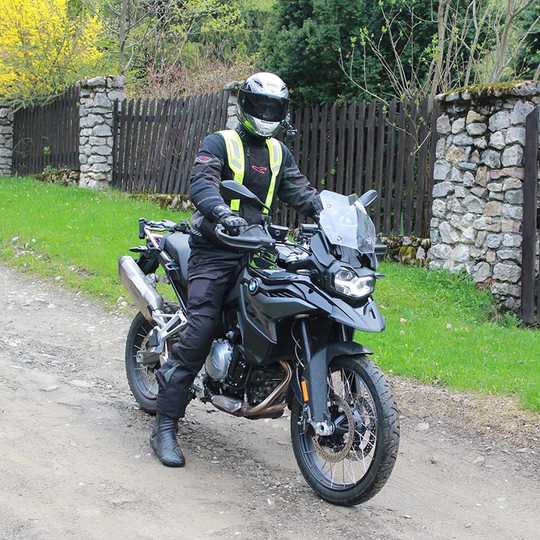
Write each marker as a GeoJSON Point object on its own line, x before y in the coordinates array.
{"type": "Point", "coordinates": [352, 465]}
{"type": "Point", "coordinates": [141, 378]}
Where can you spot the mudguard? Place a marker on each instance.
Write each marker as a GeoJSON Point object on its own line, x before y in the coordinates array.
{"type": "Point", "coordinates": [366, 318]}
{"type": "Point", "coordinates": [316, 375]}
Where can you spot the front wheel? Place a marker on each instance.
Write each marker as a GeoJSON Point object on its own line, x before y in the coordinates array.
{"type": "Point", "coordinates": [352, 465]}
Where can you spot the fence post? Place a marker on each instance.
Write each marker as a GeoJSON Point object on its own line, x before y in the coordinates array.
{"type": "Point", "coordinates": [530, 189]}
{"type": "Point", "coordinates": [6, 140]}
{"type": "Point", "coordinates": [232, 101]}
{"type": "Point", "coordinates": [97, 98]}
{"type": "Point", "coordinates": [477, 192]}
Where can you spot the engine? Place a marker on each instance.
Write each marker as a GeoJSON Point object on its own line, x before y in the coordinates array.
{"type": "Point", "coordinates": [262, 382]}
{"type": "Point", "coordinates": [218, 361]}
{"type": "Point", "coordinates": [230, 376]}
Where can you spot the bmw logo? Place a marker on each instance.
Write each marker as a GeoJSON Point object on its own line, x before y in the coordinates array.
{"type": "Point", "coordinates": [253, 286]}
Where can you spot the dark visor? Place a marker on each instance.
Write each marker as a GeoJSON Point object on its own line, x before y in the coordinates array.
{"type": "Point", "coordinates": [270, 109]}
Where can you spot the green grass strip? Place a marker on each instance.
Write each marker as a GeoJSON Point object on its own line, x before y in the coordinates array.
{"type": "Point", "coordinates": [441, 329]}
{"type": "Point", "coordinates": [74, 235]}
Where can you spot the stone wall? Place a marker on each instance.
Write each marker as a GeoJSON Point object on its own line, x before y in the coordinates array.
{"type": "Point", "coordinates": [232, 101]}
{"type": "Point", "coordinates": [477, 193]}
{"type": "Point", "coordinates": [6, 140]}
{"type": "Point", "coordinates": [97, 97]}
{"type": "Point", "coordinates": [96, 123]}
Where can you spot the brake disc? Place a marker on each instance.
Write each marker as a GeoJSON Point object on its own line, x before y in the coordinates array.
{"type": "Point", "coordinates": [325, 452]}
{"type": "Point", "coordinates": [146, 365]}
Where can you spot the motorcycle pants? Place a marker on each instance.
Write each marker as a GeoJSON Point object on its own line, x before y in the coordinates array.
{"type": "Point", "coordinates": [212, 273]}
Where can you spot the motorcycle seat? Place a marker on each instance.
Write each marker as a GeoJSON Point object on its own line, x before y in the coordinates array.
{"type": "Point", "coordinates": [176, 246]}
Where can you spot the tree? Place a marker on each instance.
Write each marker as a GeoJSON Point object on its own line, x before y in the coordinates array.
{"type": "Point", "coordinates": [528, 53]}
{"type": "Point", "coordinates": [314, 45]}
{"type": "Point", "coordinates": [390, 56]}
{"type": "Point", "coordinates": [472, 42]}
{"type": "Point", "coordinates": [44, 48]}
{"type": "Point", "coordinates": [180, 46]}
{"type": "Point", "coordinates": [302, 44]}
{"type": "Point", "coordinates": [385, 49]}
{"type": "Point", "coordinates": [128, 24]}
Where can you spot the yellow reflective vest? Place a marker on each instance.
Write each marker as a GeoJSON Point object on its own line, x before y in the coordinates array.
{"type": "Point", "coordinates": [235, 157]}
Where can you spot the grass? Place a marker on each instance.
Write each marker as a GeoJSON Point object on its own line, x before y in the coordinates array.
{"type": "Point", "coordinates": [440, 328]}
{"type": "Point", "coordinates": [74, 235]}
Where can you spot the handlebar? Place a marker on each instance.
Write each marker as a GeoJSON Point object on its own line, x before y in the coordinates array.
{"type": "Point", "coordinates": [164, 225]}
{"type": "Point", "coordinates": [251, 238]}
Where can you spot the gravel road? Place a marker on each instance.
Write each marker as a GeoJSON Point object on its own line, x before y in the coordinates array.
{"type": "Point", "coordinates": [76, 462]}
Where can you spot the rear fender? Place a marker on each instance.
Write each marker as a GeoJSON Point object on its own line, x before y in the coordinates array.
{"type": "Point", "coordinates": [316, 375]}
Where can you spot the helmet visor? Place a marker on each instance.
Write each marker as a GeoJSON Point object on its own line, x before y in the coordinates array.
{"type": "Point", "coordinates": [268, 108]}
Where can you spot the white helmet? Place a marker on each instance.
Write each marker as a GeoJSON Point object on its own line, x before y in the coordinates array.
{"type": "Point", "coordinates": [263, 100]}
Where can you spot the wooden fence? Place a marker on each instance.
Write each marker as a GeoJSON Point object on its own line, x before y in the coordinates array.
{"type": "Point", "coordinates": [530, 279]}
{"type": "Point", "coordinates": [353, 147]}
{"type": "Point", "coordinates": [156, 140]}
{"type": "Point", "coordinates": [345, 148]}
{"type": "Point", "coordinates": [47, 135]}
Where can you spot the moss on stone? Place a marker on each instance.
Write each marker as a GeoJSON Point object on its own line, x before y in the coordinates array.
{"type": "Point", "coordinates": [486, 89]}
{"type": "Point", "coordinates": [516, 88]}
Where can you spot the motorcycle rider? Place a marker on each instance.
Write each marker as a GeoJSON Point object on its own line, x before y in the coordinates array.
{"type": "Point", "coordinates": [249, 155]}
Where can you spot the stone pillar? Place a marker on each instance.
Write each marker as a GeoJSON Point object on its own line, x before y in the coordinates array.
{"type": "Point", "coordinates": [6, 140]}
{"type": "Point", "coordinates": [96, 122]}
{"type": "Point", "coordinates": [477, 192]}
{"type": "Point", "coordinates": [232, 101]}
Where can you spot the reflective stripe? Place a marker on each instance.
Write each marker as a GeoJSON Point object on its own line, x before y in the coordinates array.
{"type": "Point", "coordinates": [276, 157]}
{"type": "Point", "coordinates": [235, 157]}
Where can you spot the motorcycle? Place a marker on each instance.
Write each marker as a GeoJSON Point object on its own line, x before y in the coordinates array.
{"type": "Point", "coordinates": [287, 341]}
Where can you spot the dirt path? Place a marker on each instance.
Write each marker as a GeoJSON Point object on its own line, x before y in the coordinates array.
{"type": "Point", "coordinates": [76, 464]}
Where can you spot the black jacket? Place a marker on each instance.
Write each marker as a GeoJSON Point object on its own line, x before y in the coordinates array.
{"type": "Point", "coordinates": [211, 167]}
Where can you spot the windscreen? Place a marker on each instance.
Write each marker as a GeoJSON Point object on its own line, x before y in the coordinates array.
{"type": "Point", "coordinates": [346, 223]}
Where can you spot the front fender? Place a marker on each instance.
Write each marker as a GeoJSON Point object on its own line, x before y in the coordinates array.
{"type": "Point", "coordinates": [366, 318]}
{"type": "Point", "coordinates": [316, 375]}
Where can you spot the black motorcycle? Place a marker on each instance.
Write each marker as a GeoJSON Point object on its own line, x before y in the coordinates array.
{"type": "Point", "coordinates": [287, 341]}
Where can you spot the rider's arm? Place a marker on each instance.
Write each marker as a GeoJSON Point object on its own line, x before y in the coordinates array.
{"type": "Point", "coordinates": [295, 189]}
{"type": "Point", "coordinates": [206, 176]}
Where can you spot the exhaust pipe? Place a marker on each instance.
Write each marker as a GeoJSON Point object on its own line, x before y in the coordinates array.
{"type": "Point", "coordinates": [143, 293]}
{"type": "Point", "coordinates": [268, 408]}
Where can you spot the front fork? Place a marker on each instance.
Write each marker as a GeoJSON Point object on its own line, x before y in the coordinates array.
{"type": "Point", "coordinates": [314, 388]}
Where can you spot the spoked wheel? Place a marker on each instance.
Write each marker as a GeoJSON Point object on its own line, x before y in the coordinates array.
{"type": "Point", "coordinates": [352, 465]}
{"type": "Point", "coordinates": [141, 378]}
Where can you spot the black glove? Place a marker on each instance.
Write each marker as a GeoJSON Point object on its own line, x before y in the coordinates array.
{"type": "Point", "coordinates": [316, 208]}
{"type": "Point", "coordinates": [233, 224]}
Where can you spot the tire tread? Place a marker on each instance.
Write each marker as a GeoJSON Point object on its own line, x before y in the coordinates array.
{"type": "Point", "coordinates": [145, 404]}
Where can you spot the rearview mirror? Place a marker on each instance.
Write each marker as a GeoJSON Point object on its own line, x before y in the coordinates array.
{"type": "Point", "coordinates": [368, 198]}
{"type": "Point", "coordinates": [234, 190]}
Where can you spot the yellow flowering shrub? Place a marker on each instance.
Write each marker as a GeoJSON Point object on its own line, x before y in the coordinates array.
{"type": "Point", "coordinates": [43, 49]}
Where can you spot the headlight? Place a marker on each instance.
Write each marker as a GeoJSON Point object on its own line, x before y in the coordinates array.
{"type": "Point", "coordinates": [348, 283]}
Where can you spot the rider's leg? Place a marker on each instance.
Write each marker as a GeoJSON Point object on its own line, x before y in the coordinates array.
{"type": "Point", "coordinates": [209, 282]}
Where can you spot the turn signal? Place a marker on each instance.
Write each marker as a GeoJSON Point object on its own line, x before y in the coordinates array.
{"type": "Point", "coordinates": [305, 393]}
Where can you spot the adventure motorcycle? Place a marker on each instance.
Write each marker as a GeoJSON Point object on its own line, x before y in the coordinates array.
{"type": "Point", "coordinates": [287, 339]}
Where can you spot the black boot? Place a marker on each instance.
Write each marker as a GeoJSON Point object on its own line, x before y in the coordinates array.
{"type": "Point", "coordinates": [163, 442]}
